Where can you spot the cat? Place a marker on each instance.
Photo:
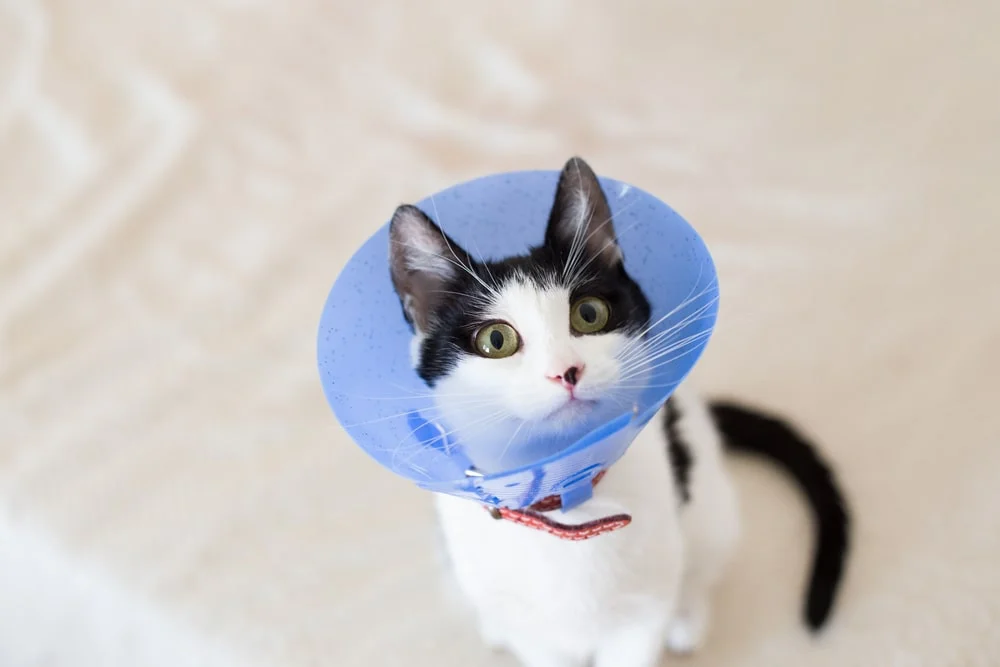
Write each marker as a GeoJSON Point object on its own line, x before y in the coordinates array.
{"type": "Point", "coordinates": [538, 343]}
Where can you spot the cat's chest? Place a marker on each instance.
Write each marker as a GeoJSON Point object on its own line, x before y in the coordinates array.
{"type": "Point", "coordinates": [500, 563]}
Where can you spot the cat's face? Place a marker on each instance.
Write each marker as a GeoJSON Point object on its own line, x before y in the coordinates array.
{"type": "Point", "coordinates": [539, 339]}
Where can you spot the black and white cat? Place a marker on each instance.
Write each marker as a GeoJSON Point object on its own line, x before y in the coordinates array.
{"type": "Point", "coordinates": [531, 342]}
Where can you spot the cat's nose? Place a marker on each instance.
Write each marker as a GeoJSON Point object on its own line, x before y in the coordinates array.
{"type": "Point", "coordinates": [569, 377]}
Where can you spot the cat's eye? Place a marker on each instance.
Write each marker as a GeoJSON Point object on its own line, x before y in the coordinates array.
{"type": "Point", "coordinates": [497, 340]}
{"type": "Point", "coordinates": [589, 315]}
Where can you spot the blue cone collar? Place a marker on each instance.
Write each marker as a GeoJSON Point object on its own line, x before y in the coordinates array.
{"type": "Point", "coordinates": [364, 341]}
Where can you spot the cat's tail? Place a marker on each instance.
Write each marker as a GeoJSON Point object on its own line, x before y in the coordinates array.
{"type": "Point", "coordinates": [748, 430]}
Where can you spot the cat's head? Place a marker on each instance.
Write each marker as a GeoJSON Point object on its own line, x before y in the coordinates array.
{"type": "Point", "coordinates": [539, 338]}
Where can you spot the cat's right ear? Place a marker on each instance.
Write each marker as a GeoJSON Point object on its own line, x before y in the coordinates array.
{"type": "Point", "coordinates": [423, 261]}
{"type": "Point", "coordinates": [580, 225]}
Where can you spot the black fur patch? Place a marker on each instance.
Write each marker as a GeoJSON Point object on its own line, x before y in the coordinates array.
{"type": "Point", "coordinates": [678, 450]}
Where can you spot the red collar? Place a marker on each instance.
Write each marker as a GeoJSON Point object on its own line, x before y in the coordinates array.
{"type": "Point", "coordinates": [532, 517]}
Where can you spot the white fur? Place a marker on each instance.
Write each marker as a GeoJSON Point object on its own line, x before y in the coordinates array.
{"type": "Point", "coordinates": [618, 599]}
{"type": "Point", "coordinates": [489, 401]}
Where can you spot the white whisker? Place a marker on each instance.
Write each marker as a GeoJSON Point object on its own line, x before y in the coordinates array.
{"type": "Point", "coordinates": [509, 442]}
{"type": "Point", "coordinates": [418, 447]}
{"type": "Point", "coordinates": [575, 247]}
{"type": "Point", "coordinates": [662, 363]}
{"type": "Point", "coordinates": [607, 244]}
{"type": "Point", "coordinates": [690, 298]}
{"type": "Point", "coordinates": [663, 337]}
{"type": "Point", "coordinates": [423, 411]}
{"type": "Point", "coordinates": [689, 340]}
{"type": "Point", "coordinates": [444, 236]}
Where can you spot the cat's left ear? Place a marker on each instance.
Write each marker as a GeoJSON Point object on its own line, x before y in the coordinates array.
{"type": "Point", "coordinates": [422, 262]}
{"type": "Point", "coordinates": [580, 223]}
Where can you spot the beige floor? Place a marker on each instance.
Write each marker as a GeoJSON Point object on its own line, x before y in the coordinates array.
{"type": "Point", "coordinates": [181, 181]}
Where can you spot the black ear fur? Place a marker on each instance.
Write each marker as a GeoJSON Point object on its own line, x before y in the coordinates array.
{"type": "Point", "coordinates": [580, 227]}
{"type": "Point", "coordinates": [422, 262]}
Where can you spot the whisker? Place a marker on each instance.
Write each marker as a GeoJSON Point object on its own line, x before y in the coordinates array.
{"type": "Point", "coordinates": [645, 368]}
{"type": "Point", "coordinates": [657, 346]}
{"type": "Point", "coordinates": [464, 295]}
{"type": "Point", "coordinates": [424, 411]}
{"type": "Point", "coordinates": [444, 236]}
{"type": "Point", "coordinates": [660, 339]}
{"type": "Point", "coordinates": [576, 258]}
{"type": "Point", "coordinates": [486, 267]}
{"type": "Point", "coordinates": [503, 454]}
{"type": "Point", "coordinates": [607, 244]}
{"type": "Point", "coordinates": [418, 447]}
{"type": "Point", "coordinates": [662, 363]}
{"type": "Point", "coordinates": [412, 396]}
{"type": "Point", "coordinates": [488, 420]}
{"type": "Point", "coordinates": [642, 341]}
{"type": "Point", "coordinates": [665, 336]}
{"type": "Point", "coordinates": [454, 262]}
{"type": "Point", "coordinates": [435, 394]}
{"type": "Point", "coordinates": [422, 471]}
{"type": "Point", "coordinates": [575, 246]}
{"type": "Point", "coordinates": [687, 300]}
{"type": "Point", "coordinates": [689, 340]}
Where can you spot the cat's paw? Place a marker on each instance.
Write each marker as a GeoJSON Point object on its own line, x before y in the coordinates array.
{"type": "Point", "coordinates": [685, 635]}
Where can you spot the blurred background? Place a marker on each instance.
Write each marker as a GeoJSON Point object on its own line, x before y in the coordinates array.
{"type": "Point", "coordinates": [180, 183]}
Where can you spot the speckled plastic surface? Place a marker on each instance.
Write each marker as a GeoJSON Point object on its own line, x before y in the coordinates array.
{"type": "Point", "coordinates": [363, 342]}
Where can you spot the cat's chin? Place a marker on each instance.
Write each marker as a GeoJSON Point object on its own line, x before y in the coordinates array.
{"type": "Point", "coordinates": [563, 419]}
{"type": "Point", "coordinates": [570, 412]}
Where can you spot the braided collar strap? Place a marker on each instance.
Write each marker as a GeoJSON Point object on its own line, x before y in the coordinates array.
{"type": "Point", "coordinates": [532, 517]}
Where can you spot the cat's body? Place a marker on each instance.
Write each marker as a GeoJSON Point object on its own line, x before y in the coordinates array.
{"type": "Point", "coordinates": [617, 597]}
{"type": "Point", "coordinates": [539, 341]}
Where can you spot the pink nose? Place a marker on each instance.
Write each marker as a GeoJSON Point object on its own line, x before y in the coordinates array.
{"type": "Point", "coordinates": [570, 377]}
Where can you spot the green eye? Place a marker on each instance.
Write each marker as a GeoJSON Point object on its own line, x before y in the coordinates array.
{"type": "Point", "coordinates": [497, 340]}
{"type": "Point", "coordinates": [589, 315]}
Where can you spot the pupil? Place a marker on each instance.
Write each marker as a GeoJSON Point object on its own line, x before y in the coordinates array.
{"type": "Point", "coordinates": [588, 313]}
{"type": "Point", "coordinates": [496, 340]}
